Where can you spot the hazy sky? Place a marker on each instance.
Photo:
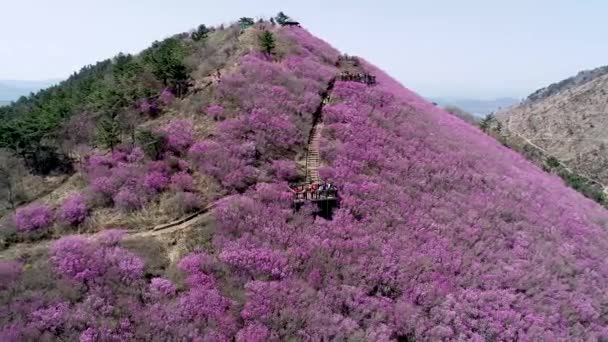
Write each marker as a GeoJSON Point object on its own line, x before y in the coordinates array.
{"type": "Point", "coordinates": [465, 48]}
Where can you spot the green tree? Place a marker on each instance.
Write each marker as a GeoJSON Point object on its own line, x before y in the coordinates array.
{"type": "Point", "coordinates": [201, 33]}
{"type": "Point", "coordinates": [267, 42]}
{"type": "Point", "coordinates": [281, 18]}
{"type": "Point", "coordinates": [246, 22]}
{"type": "Point", "coordinates": [11, 174]}
{"type": "Point", "coordinates": [486, 122]}
{"type": "Point", "coordinates": [552, 162]}
{"type": "Point", "coordinates": [150, 142]}
{"type": "Point", "coordinates": [498, 127]}
{"type": "Point", "coordinates": [167, 61]}
{"type": "Point", "coordinates": [108, 132]}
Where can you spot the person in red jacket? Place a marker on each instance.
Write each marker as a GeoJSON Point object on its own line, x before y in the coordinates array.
{"type": "Point", "coordinates": [313, 190]}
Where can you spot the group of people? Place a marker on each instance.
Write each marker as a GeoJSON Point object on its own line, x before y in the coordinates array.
{"type": "Point", "coordinates": [357, 77]}
{"type": "Point", "coordinates": [314, 191]}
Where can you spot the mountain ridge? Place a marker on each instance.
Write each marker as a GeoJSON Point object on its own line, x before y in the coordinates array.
{"type": "Point", "coordinates": [579, 79]}
{"type": "Point", "coordinates": [568, 119]}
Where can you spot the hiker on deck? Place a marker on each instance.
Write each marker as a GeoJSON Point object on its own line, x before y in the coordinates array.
{"type": "Point", "coordinates": [313, 190]}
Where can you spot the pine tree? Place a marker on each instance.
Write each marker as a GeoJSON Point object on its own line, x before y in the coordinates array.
{"type": "Point", "coordinates": [166, 60]}
{"type": "Point", "coordinates": [267, 42]}
{"type": "Point", "coordinates": [150, 142]}
{"type": "Point", "coordinates": [201, 33]}
{"type": "Point", "coordinates": [108, 132]}
{"type": "Point", "coordinates": [485, 123]}
{"type": "Point", "coordinates": [281, 18]}
{"type": "Point", "coordinates": [245, 22]}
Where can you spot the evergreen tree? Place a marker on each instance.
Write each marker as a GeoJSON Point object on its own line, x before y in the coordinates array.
{"type": "Point", "coordinates": [11, 174]}
{"type": "Point", "coordinates": [281, 18]}
{"type": "Point", "coordinates": [498, 126]}
{"type": "Point", "coordinates": [267, 42]}
{"type": "Point", "coordinates": [150, 142]}
{"type": "Point", "coordinates": [166, 60]}
{"type": "Point", "coordinates": [201, 33]}
{"type": "Point", "coordinates": [245, 22]}
{"type": "Point", "coordinates": [108, 132]}
{"type": "Point", "coordinates": [552, 162]}
{"type": "Point", "coordinates": [486, 122]}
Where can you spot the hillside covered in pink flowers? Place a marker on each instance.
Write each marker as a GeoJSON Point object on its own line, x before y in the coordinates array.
{"type": "Point", "coordinates": [441, 233]}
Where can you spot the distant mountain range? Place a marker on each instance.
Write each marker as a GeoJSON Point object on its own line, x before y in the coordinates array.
{"type": "Point", "coordinates": [478, 108]}
{"type": "Point", "coordinates": [11, 90]}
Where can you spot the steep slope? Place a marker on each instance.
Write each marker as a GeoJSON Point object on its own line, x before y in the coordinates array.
{"type": "Point", "coordinates": [569, 121]}
{"type": "Point", "coordinates": [441, 233]}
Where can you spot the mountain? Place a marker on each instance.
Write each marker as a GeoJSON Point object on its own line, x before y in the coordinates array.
{"type": "Point", "coordinates": [11, 90]}
{"type": "Point", "coordinates": [479, 108]}
{"type": "Point", "coordinates": [568, 120]}
{"type": "Point", "coordinates": [183, 219]}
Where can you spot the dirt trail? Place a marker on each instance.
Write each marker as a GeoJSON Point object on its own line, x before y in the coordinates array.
{"type": "Point", "coordinates": [167, 228]}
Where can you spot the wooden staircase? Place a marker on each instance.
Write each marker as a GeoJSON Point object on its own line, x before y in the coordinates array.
{"type": "Point", "coordinates": [312, 155]}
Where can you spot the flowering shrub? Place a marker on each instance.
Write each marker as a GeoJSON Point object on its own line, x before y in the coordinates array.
{"type": "Point", "coordinates": [230, 164]}
{"type": "Point", "coordinates": [127, 199]}
{"type": "Point", "coordinates": [105, 186]}
{"type": "Point", "coordinates": [34, 217]}
{"type": "Point", "coordinates": [179, 135]}
{"type": "Point", "coordinates": [94, 262]}
{"type": "Point", "coordinates": [148, 107]}
{"type": "Point", "coordinates": [262, 260]}
{"type": "Point", "coordinates": [215, 111]}
{"type": "Point", "coordinates": [285, 169]}
{"type": "Point", "coordinates": [182, 181]}
{"type": "Point", "coordinates": [156, 181]}
{"type": "Point", "coordinates": [162, 287]}
{"type": "Point", "coordinates": [73, 210]}
{"type": "Point", "coordinates": [255, 333]}
{"type": "Point", "coordinates": [166, 97]}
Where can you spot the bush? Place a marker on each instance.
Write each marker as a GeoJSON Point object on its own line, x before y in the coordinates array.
{"type": "Point", "coordinates": [201, 33]}
{"type": "Point", "coordinates": [128, 200]}
{"type": "Point", "coordinates": [552, 163]}
{"type": "Point", "coordinates": [267, 42]}
{"type": "Point", "coordinates": [161, 287]}
{"type": "Point", "coordinates": [152, 143]}
{"type": "Point", "coordinates": [182, 203]}
{"type": "Point", "coordinates": [73, 210]}
{"type": "Point", "coordinates": [215, 111]}
{"type": "Point", "coordinates": [182, 181]}
{"type": "Point", "coordinates": [166, 97]}
{"type": "Point", "coordinates": [35, 217]}
{"type": "Point", "coordinates": [179, 135]}
{"type": "Point", "coordinates": [10, 272]}
{"type": "Point", "coordinates": [156, 181]}
{"type": "Point", "coordinates": [285, 170]}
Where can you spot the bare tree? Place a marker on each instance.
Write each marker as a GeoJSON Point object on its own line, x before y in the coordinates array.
{"type": "Point", "coordinates": [12, 171]}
